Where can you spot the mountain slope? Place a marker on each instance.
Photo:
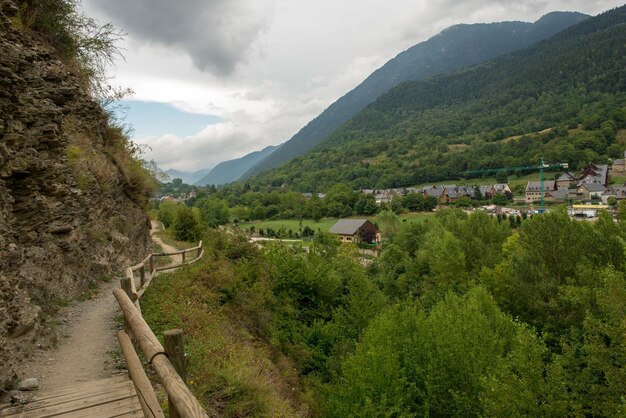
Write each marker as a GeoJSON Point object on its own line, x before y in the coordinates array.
{"type": "Point", "coordinates": [454, 48]}
{"type": "Point", "coordinates": [432, 130]}
{"type": "Point", "coordinates": [232, 170]}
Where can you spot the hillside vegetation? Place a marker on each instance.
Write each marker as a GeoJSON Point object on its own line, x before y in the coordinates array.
{"type": "Point", "coordinates": [433, 130]}
{"type": "Point", "coordinates": [460, 316]}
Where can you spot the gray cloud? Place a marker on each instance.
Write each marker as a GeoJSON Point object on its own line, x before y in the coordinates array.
{"type": "Point", "coordinates": [217, 34]}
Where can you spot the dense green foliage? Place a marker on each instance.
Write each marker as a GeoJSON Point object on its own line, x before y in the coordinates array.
{"type": "Point", "coordinates": [459, 316]}
{"type": "Point", "coordinates": [573, 84]}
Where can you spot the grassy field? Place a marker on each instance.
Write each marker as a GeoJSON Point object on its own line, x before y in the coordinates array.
{"type": "Point", "coordinates": [617, 179]}
{"type": "Point", "coordinates": [324, 224]}
{"type": "Point", "coordinates": [415, 217]}
{"type": "Point", "coordinates": [293, 224]}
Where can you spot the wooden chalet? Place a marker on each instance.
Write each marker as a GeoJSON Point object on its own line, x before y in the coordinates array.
{"type": "Point", "coordinates": [353, 230]}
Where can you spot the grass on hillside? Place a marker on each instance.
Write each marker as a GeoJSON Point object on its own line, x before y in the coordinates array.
{"type": "Point", "coordinates": [161, 261]}
{"type": "Point", "coordinates": [620, 138]}
{"type": "Point", "coordinates": [230, 371]}
{"type": "Point", "coordinates": [618, 180]}
{"type": "Point", "coordinates": [513, 180]}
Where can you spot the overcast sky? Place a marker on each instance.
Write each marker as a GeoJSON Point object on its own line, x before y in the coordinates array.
{"type": "Point", "coordinates": [227, 77]}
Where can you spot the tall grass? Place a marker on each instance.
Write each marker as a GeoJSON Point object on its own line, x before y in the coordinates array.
{"type": "Point", "coordinates": [231, 370]}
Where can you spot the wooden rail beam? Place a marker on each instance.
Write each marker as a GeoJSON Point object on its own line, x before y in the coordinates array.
{"type": "Point", "coordinates": [186, 404]}
{"type": "Point", "coordinates": [145, 393]}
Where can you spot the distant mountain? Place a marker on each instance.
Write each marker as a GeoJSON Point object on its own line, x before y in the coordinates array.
{"type": "Point", "coordinates": [187, 177]}
{"type": "Point", "coordinates": [562, 99]}
{"type": "Point", "coordinates": [454, 48]}
{"type": "Point", "coordinates": [232, 170]}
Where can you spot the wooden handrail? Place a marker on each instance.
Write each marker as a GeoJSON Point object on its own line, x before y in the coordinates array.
{"type": "Point", "coordinates": [182, 401]}
{"type": "Point", "coordinates": [136, 294]}
{"type": "Point", "coordinates": [186, 404]}
{"type": "Point", "coordinates": [147, 398]}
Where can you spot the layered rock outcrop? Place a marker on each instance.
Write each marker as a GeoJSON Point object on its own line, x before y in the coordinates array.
{"type": "Point", "coordinates": [69, 212]}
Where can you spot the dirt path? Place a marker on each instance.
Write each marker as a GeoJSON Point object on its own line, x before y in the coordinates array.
{"type": "Point", "coordinates": [87, 348]}
{"type": "Point", "coordinates": [156, 226]}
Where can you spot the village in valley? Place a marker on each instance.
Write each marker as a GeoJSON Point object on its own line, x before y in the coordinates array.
{"type": "Point", "coordinates": [595, 188]}
{"type": "Point", "coordinates": [585, 193]}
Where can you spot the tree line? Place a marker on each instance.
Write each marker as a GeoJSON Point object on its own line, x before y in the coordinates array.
{"type": "Point", "coordinates": [461, 315]}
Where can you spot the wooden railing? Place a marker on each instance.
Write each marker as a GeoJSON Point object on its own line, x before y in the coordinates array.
{"type": "Point", "coordinates": [146, 276]}
{"type": "Point", "coordinates": [168, 362]}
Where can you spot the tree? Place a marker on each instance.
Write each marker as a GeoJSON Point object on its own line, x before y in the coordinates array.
{"type": "Point", "coordinates": [416, 363]}
{"type": "Point", "coordinates": [325, 243]}
{"type": "Point", "coordinates": [502, 177]}
{"type": "Point", "coordinates": [167, 213]}
{"type": "Point", "coordinates": [481, 237]}
{"type": "Point", "coordinates": [500, 200]}
{"type": "Point", "coordinates": [592, 365]}
{"type": "Point", "coordinates": [443, 259]}
{"type": "Point", "coordinates": [586, 379]}
{"type": "Point", "coordinates": [464, 202]}
{"type": "Point", "coordinates": [388, 223]}
{"type": "Point", "coordinates": [548, 270]}
{"type": "Point", "coordinates": [185, 226]}
{"type": "Point", "coordinates": [367, 235]}
{"type": "Point", "coordinates": [214, 211]}
{"type": "Point", "coordinates": [612, 201]}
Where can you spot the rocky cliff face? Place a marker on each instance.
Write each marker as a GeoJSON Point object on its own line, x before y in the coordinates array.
{"type": "Point", "coordinates": [69, 212]}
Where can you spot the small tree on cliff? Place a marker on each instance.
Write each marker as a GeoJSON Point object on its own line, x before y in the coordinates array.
{"type": "Point", "coordinates": [78, 37]}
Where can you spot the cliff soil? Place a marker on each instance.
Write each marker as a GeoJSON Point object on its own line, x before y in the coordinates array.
{"type": "Point", "coordinates": [72, 201]}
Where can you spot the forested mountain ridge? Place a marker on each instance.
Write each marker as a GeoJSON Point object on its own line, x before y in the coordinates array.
{"type": "Point", "coordinates": [231, 170]}
{"type": "Point", "coordinates": [454, 48]}
{"type": "Point", "coordinates": [432, 130]}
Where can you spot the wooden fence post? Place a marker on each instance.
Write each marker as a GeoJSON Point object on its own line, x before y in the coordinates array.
{"type": "Point", "coordinates": [199, 249]}
{"type": "Point", "coordinates": [142, 275]}
{"type": "Point", "coordinates": [127, 288]}
{"type": "Point", "coordinates": [151, 264]}
{"type": "Point", "coordinates": [175, 350]}
{"type": "Point", "coordinates": [184, 252]}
